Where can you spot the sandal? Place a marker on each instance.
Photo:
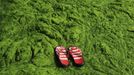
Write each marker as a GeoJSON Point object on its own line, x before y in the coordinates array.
{"type": "Point", "coordinates": [76, 55]}
{"type": "Point", "coordinates": [62, 55]}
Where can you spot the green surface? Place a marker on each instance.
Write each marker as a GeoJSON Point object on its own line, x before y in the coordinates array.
{"type": "Point", "coordinates": [30, 29]}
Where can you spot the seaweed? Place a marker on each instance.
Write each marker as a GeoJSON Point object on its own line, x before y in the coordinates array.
{"type": "Point", "coordinates": [31, 29]}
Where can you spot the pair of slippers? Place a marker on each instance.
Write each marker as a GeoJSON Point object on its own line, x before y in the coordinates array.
{"type": "Point", "coordinates": [72, 52]}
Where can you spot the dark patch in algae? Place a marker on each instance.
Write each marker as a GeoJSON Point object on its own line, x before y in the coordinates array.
{"type": "Point", "coordinates": [30, 29]}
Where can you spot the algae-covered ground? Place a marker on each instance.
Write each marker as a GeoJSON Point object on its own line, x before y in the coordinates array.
{"type": "Point", "coordinates": [31, 29]}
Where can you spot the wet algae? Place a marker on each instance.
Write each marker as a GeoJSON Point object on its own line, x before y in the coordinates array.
{"type": "Point", "coordinates": [30, 29]}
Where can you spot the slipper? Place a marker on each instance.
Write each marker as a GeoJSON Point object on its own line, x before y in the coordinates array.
{"type": "Point", "coordinates": [76, 55]}
{"type": "Point", "coordinates": [62, 55]}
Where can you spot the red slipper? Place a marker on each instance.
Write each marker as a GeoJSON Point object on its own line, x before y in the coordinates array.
{"type": "Point", "coordinates": [77, 56]}
{"type": "Point", "coordinates": [62, 55]}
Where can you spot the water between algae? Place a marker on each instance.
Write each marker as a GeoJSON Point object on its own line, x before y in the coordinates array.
{"type": "Point", "coordinates": [30, 29]}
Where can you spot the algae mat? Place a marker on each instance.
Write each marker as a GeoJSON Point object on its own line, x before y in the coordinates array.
{"type": "Point", "coordinates": [30, 29]}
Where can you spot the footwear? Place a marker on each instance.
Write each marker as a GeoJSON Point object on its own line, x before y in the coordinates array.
{"type": "Point", "coordinates": [76, 55]}
{"type": "Point", "coordinates": [62, 55]}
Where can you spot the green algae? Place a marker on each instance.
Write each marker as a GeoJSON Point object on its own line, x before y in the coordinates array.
{"type": "Point", "coordinates": [30, 29]}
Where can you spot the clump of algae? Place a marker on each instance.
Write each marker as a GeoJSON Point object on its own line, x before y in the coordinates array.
{"type": "Point", "coordinates": [103, 29]}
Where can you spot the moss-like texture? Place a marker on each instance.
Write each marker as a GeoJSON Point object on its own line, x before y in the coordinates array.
{"type": "Point", "coordinates": [30, 29]}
